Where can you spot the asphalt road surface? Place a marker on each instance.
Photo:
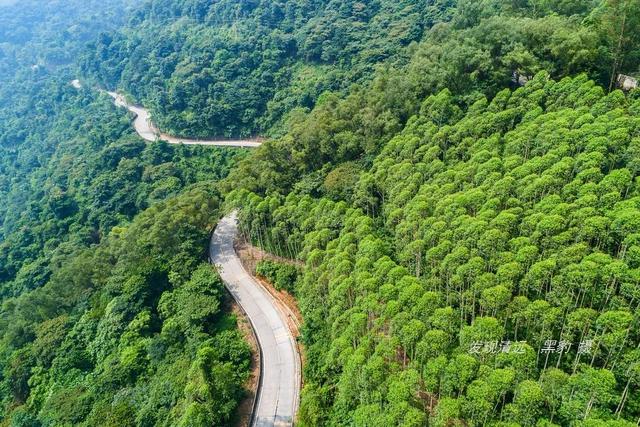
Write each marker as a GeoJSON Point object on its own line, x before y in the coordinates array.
{"type": "Point", "coordinates": [147, 130]}
{"type": "Point", "coordinates": [279, 390]}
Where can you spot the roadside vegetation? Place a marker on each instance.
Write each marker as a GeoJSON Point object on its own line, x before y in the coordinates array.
{"type": "Point", "coordinates": [109, 314]}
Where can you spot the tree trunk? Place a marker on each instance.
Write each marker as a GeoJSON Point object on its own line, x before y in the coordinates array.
{"type": "Point", "coordinates": [616, 59]}
{"type": "Point", "coordinates": [623, 399]}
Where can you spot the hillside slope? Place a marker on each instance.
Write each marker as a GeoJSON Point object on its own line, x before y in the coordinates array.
{"type": "Point", "coordinates": [109, 314]}
{"type": "Point", "coordinates": [485, 269]}
{"type": "Point", "coordinates": [233, 68]}
{"type": "Point", "coordinates": [469, 245]}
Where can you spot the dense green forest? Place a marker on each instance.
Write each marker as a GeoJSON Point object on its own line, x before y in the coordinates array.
{"type": "Point", "coordinates": [232, 68]}
{"type": "Point", "coordinates": [473, 56]}
{"type": "Point", "coordinates": [458, 178]}
{"type": "Point", "coordinates": [51, 34]}
{"type": "Point", "coordinates": [109, 315]}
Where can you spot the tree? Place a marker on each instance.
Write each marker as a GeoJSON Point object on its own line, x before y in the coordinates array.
{"type": "Point", "coordinates": [590, 390]}
{"type": "Point", "coordinates": [458, 374]}
{"type": "Point", "coordinates": [528, 402]}
{"type": "Point", "coordinates": [447, 413]}
{"type": "Point", "coordinates": [620, 24]}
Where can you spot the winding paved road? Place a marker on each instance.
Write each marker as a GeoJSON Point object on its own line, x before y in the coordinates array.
{"type": "Point", "coordinates": [278, 392]}
{"type": "Point", "coordinates": [148, 131]}
{"type": "Point", "coordinates": [279, 389]}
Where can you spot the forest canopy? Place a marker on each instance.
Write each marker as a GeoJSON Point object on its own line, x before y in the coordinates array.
{"type": "Point", "coordinates": [475, 241]}
{"type": "Point", "coordinates": [455, 183]}
{"type": "Point", "coordinates": [229, 68]}
{"type": "Point", "coordinates": [109, 313]}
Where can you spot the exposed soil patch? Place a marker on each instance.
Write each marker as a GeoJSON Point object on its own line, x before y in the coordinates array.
{"type": "Point", "coordinates": [251, 256]}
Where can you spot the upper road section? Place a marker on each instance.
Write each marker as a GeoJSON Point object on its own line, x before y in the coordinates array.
{"type": "Point", "coordinates": [148, 131]}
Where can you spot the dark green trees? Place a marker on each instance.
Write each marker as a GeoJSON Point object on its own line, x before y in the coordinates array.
{"type": "Point", "coordinates": [138, 316]}
{"type": "Point", "coordinates": [237, 69]}
{"type": "Point", "coordinates": [108, 315]}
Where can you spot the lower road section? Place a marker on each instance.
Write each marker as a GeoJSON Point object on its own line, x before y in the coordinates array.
{"type": "Point", "coordinates": [279, 389]}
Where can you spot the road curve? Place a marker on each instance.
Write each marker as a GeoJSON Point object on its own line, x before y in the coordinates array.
{"type": "Point", "coordinates": [148, 131]}
{"type": "Point", "coordinates": [279, 389]}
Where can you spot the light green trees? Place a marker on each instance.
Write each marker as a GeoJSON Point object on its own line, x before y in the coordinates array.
{"type": "Point", "coordinates": [528, 403]}
{"type": "Point", "coordinates": [590, 390]}
{"type": "Point", "coordinates": [499, 267]}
